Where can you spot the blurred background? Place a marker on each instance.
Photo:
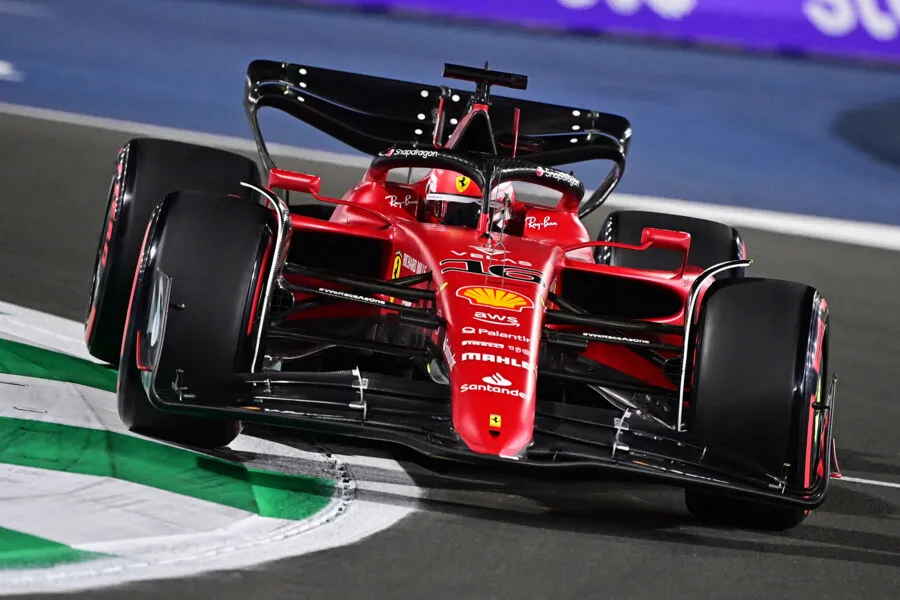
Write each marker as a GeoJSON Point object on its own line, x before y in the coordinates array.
{"type": "Point", "coordinates": [784, 105]}
{"type": "Point", "coordinates": [780, 117]}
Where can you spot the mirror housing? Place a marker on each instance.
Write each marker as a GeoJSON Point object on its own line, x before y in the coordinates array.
{"type": "Point", "coordinates": [304, 183]}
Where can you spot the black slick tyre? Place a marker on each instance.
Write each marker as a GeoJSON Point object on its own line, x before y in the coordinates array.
{"type": "Point", "coordinates": [711, 242]}
{"type": "Point", "coordinates": [216, 251]}
{"type": "Point", "coordinates": [762, 354]}
{"type": "Point", "coordinates": [146, 171]}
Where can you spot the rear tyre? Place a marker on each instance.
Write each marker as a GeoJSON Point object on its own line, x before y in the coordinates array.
{"type": "Point", "coordinates": [216, 251]}
{"type": "Point", "coordinates": [147, 170]}
{"type": "Point", "coordinates": [711, 243]}
{"type": "Point", "coordinates": [762, 354]}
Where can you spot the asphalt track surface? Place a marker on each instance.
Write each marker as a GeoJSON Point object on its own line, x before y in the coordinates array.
{"type": "Point", "coordinates": [482, 543]}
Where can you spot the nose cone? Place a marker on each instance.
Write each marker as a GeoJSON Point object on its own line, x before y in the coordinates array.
{"type": "Point", "coordinates": [493, 414]}
{"type": "Point", "coordinates": [493, 301]}
{"type": "Point", "coordinates": [494, 347]}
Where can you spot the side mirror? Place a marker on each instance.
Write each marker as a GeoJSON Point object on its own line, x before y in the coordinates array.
{"type": "Point", "coordinates": [666, 238]}
{"type": "Point", "coordinates": [669, 240]}
{"type": "Point", "coordinates": [294, 182]}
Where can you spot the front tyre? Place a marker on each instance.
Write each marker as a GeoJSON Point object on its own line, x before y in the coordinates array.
{"type": "Point", "coordinates": [216, 251]}
{"type": "Point", "coordinates": [759, 389]}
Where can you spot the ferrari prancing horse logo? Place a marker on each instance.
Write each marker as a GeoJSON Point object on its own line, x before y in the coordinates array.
{"type": "Point", "coordinates": [495, 421]}
{"type": "Point", "coordinates": [462, 183]}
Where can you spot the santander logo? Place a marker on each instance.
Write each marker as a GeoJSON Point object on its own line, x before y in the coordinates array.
{"type": "Point", "coordinates": [497, 379]}
{"type": "Point", "coordinates": [667, 9]}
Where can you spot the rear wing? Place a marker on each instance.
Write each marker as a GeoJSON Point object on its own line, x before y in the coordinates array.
{"type": "Point", "coordinates": [371, 113]}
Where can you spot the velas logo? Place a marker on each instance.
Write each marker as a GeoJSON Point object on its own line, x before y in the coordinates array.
{"type": "Point", "coordinates": [488, 251]}
{"type": "Point", "coordinates": [667, 9]}
{"type": "Point", "coordinates": [495, 298]}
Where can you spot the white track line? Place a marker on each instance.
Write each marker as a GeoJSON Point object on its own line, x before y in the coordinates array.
{"type": "Point", "coordinates": [196, 137]}
{"type": "Point", "coordinates": [887, 484]}
{"type": "Point", "coordinates": [17, 8]}
{"type": "Point", "coordinates": [873, 235]}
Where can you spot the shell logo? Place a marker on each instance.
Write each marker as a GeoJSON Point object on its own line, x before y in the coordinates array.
{"type": "Point", "coordinates": [495, 298]}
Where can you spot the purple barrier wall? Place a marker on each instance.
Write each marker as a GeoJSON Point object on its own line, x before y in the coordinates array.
{"type": "Point", "coordinates": [855, 29]}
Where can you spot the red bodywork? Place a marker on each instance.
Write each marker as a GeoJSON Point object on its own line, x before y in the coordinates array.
{"type": "Point", "coordinates": [493, 297]}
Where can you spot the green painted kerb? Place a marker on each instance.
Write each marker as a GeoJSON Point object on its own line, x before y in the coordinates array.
{"type": "Point", "coordinates": [108, 454]}
{"type": "Point", "coordinates": [22, 551]}
{"type": "Point", "coordinates": [29, 361]}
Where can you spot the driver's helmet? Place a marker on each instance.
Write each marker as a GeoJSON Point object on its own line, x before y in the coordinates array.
{"type": "Point", "coordinates": [454, 199]}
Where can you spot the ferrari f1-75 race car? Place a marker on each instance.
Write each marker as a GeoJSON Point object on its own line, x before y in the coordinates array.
{"type": "Point", "coordinates": [448, 313]}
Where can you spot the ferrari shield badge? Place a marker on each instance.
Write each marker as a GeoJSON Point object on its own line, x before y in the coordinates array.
{"type": "Point", "coordinates": [495, 422]}
{"type": "Point", "coordinates": [462, 183]}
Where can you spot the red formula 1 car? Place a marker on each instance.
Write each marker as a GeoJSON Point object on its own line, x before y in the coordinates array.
{"type": "Point", "coordinates": [447, 313]}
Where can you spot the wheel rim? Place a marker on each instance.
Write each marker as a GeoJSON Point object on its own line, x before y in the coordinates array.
{"type": "Point", "coordinates": [104, 252]}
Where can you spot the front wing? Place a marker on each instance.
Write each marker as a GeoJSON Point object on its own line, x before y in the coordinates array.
{"type": "Point", "coordinates": [576, 441]}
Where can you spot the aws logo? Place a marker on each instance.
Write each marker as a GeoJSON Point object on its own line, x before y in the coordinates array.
{"type": "Point", "coordinates": [495, 298]}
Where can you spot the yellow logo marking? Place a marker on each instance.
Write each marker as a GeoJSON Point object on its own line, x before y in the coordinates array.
{"type": "Point", "coordinates": [395, 270]}
{"type": "Point", "coordinates": [462, 183]}
{"type": "Point", "coordinates": [495, 421]}
{"type": "Point", "coordinates": [495, 298]}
